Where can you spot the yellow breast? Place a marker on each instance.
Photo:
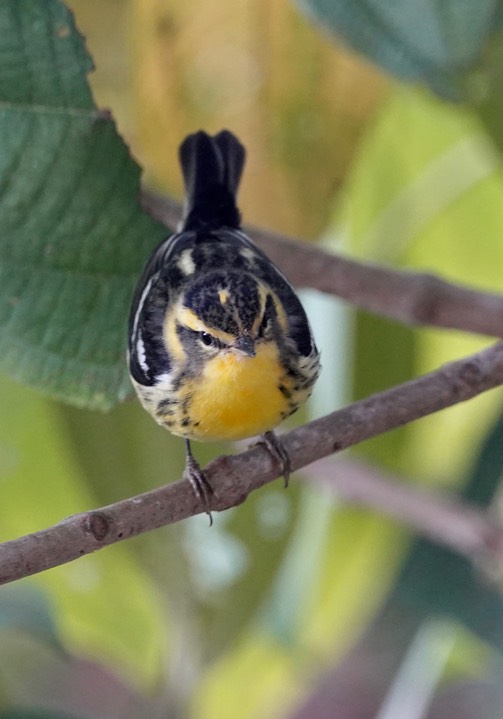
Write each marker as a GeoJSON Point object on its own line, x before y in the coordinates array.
{"type": "Point", "coordinates": [237, 396]}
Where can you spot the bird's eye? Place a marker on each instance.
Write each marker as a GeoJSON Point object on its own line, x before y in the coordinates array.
{"type": "Point", "coordinates": [209, 341]}
{"type": "Point", "coordinates": [206, 339]}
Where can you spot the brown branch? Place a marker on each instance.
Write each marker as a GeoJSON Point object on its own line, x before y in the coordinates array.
{"type": "Point", "coordinates": [411, 298]}
{"type": "Point", "coordinates": [235, 477]}
{"type": "Point", "coordinates": [440, 517]}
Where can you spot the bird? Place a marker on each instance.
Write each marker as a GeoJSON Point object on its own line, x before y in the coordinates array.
{"type": "Point", "coordinates": [220, 347]}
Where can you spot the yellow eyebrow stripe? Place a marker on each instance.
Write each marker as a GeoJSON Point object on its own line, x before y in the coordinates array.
{"type": "Point", "coordinates": [188, 318]}
{"type": "Point", "coordinates": [262, 293]}
{"type": "Point", "coordinates": [280, 311]}
{"type": "Point", "coordinates": [171, 339]}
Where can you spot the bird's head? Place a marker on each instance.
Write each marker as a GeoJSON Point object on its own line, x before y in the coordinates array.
{"type": "Point", "coordinates": [230, 312]}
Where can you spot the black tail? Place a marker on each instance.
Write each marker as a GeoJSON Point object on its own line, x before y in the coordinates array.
{"type": "Point", "coordinates": [212, 168]}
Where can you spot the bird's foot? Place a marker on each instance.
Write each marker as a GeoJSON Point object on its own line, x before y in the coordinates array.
{"type": "Point", "coordinates": [279, 453]}
{"type": "Point", "coordinates": [200, 485]}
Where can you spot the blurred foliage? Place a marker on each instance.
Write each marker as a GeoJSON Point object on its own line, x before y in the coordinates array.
{"type": "Point", "coordinates": [435, 42]}
{"type": "Point", "coordinates": [437, 580]}
{"type": "Point", "coordinates": [291, 604]}
{"type": "Point", "coordinates": [298, 104]}
{"type": "Point", "coordinates": [41, 482]}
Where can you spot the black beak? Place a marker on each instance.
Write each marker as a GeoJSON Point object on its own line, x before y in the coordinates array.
{"type": "Point", "coordinates": [246, 345]}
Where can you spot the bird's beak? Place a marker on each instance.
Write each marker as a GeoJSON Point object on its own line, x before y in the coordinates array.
{"type": "Point", "coordinates": [245, 345]}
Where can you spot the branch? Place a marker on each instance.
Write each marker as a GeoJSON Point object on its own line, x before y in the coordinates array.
{"type": "Point", "coordinates": [235, 477]}
{"type": "Point", "coordinates": [410, 298]}
{"type": "Point", "coordinates": [442, 518]}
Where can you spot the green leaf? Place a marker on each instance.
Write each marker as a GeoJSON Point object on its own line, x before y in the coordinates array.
{"type": "Point", "coordinates": [72, 236]}
{"type": "Point", "coordinates": [434, 42]}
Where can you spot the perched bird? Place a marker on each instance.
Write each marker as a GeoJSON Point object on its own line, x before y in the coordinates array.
{"type": "Point", "coordinates": [220, 347]}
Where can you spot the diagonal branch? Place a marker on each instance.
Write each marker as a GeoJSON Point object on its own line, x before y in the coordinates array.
{"type": "Point", "coordinates": [411, 298]}
{"type": "Point", "coordinates": [440, 517]}
{"type": "Point", "coordinates": [235, 477]}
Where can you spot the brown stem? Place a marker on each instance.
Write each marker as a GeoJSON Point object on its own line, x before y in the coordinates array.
{"type": "Point", "coordinates": [235, 477]}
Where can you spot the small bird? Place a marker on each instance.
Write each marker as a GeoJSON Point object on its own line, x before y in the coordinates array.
{"type": "Point", "coordinates": [220, 347]}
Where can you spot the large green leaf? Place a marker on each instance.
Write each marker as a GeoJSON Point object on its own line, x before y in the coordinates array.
{"type": "Point", "coordinates": [72, 236]}
{"type": "Point", "coordinates": [435, 42]}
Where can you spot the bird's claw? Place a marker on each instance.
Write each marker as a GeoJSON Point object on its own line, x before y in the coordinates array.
{"type": "Point", "coordinates": [200, 485]}
{"type": "Point", "coordinates": [279, 453]}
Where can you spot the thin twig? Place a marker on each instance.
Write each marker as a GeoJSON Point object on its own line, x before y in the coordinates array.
{"type": "Point", "coordinates": [235, 477]}
{"type": "Point", "coordinates": [408, 297]}
{"type": "Point", "coordinates": [443, 518]}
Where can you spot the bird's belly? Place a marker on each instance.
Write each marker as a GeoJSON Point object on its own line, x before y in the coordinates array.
{"type": "Point", "coordinates": [237, 397]}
